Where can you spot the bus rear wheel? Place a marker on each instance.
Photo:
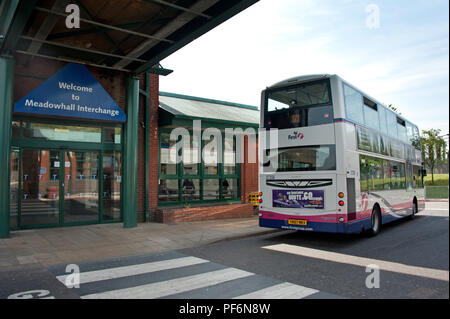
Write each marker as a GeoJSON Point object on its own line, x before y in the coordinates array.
{"type": "Point", "coordinates": [375, 222]}
{"type": "Point", "coordinates": [414, 210]}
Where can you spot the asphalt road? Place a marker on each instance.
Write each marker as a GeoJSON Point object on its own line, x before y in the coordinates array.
{"type": "Point", "coordinates": [411, 259]}
{"type": "Point", "coordinates": [415, 254]}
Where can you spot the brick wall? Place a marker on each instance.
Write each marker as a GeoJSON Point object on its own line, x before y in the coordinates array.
{"type": "Point", "coordinates": [190, 214]}
{"type": "Point", "coordinates": [153, 147]}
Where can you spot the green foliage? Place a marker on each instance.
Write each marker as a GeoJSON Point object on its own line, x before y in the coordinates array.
{"type": "Point", "coordinates": [436, 192]}
{"type": "Point", "coordinates": [393, 108]}
{"type": "Point", "coordinates": [434, 150]}
{"type": "Point", "coordinates": [439, 180]}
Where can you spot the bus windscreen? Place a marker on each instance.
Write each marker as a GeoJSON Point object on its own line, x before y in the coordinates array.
{"type": "Point", "coordinates": [299, 106]}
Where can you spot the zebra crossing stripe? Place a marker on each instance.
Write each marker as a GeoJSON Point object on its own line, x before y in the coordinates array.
{"type": "Point", "coordinates": [282, 291]}
{"type": "Point", "coordinates": [437, 274]}
{"type": "Point", "coordinates": [125, 271]}
{"type": "Point", "coordinates": [173, 286]}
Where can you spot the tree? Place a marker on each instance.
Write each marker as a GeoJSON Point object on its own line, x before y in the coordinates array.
{"type": "Point", "coordinates": [393, 108]}
{"type": "Point", "coordinates": [433, 149]}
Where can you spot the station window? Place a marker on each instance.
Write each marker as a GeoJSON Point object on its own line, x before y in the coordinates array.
{"type": "Point", "coordinates": [112, 135]}
{"type": "Point", "coordinates": [203, 173]}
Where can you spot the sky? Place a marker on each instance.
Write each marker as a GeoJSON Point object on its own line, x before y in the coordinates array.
{"type": "Point", "coordinates": [395, 51]}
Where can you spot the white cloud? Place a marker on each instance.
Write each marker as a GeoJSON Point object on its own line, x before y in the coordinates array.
{"type": "Point", "coordinates": [405, 62]}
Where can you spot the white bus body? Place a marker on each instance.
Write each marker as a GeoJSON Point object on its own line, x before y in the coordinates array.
{"type": "Point", "coordinates": [335, 170]}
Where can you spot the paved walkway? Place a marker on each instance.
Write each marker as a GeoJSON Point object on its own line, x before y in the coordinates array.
{"type": "Point", "coordinates": [31, 248]}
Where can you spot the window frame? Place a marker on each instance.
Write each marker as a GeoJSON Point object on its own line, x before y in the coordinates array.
{"type": "Point", "coordinates": [201, 176]}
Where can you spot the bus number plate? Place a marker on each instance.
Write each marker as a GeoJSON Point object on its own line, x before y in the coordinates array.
{"type": "Point", "coordinates": [297, 222]}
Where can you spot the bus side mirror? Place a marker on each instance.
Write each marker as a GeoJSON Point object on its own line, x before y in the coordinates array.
{"type": "Point", "coordinates": [424, 172]}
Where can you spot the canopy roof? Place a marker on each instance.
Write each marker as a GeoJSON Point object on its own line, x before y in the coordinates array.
{"type": "Point", "coordinates": [126, 35]}
{"type": "Point", "coordinates": [190, 107]}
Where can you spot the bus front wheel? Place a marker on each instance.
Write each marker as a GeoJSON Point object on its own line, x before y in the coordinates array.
{"type": "Point", "coordinates": [375, 222]}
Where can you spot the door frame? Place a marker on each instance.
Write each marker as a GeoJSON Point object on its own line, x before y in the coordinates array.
{"type": "Point", "coordinates": [19, 142]}
{"type": "Point", "coordinates": [61, 186]}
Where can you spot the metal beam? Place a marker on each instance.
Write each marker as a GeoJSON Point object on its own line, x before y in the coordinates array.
{"type": "Point", "coordinates": [159, 70]}
{"type": "Point", "coordinates": [8, 9]}
{"type": "Point", "coordinates": [23, 13]}
{"type": "Point", "coordinates": [92, 30]}
{"type": "Point", "coordinates": [105, 35]}
{"type": "Point", "coordinates": [129, 206]}
{"type": "Point", "coordinates": [172, 5]}
{"type": "Point", "coordinates": [154, 19]}
{"type": "Point", "coordinates": [62, 45]}
{"type": "Point", "coordinates": [69, 60]}
{"type": "Point", "coordinates": [173, 26]}
{"type": "Point", "coordinates": [6, 102]}
{"type": "Point", "coordinates": [47, 26]}
{"type": "Point", "coordinates": [223, 16]}
{"type": "Point", "coordinates": [143, 35]}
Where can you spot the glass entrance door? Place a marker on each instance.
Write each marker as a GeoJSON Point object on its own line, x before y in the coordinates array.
{"type": "Point", "coordinates": [58, 188]}
{"type": "Point", "coordinates": [40, 184]}
{"type": "Point", "coordinates": [81, 187]}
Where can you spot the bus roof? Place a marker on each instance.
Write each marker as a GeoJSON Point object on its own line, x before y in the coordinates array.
{"type": "Point", "coordinates": [315, 77]}
{"type": "Point", "coordinates": [300, 79]}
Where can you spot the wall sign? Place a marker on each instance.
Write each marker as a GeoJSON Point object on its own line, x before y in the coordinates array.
{"type": "Point", "coordinates": [71, 92]}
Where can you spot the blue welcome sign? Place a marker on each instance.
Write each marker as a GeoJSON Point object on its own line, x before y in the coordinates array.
{"type": "Point", "coordinates": [71, 92]}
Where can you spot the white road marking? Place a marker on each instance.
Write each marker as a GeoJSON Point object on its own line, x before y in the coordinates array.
{"type": "Point", "coordinates": [435, 213]}
{"type": "Point", "coordinates": [173, 286]}
{"type": "Point", "coordinates": [281, 291]}
{"type": "Point", "coordinates": [437, 274]}
{"type": "Point", "coordinates": [118, 272]}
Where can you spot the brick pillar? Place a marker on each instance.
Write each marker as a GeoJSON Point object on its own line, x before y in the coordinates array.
{"type": "Point", "coordinates": [249, 171]}
{"type": "Point", "coordinates": [153, 143]}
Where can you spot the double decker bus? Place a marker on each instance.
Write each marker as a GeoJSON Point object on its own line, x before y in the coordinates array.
{"type": "Point", "coordinates": [340, 161]}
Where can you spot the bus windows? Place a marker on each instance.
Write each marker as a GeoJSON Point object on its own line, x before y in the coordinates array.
{"type": "Point", "coordinates": [307, 104]}
{"type": "Point", "coordinates": [401, 130]}
{"type": "Point", "coordinates": [274, 105]}
{"type": "Point", "coordinates": [371, 117]}
{"type": "Point", "coordinates": [391, 119]}
{"type": "Point", "coordinates": [319, 115]}
{"type": "Point", "coordinates": [372, 173]}
{"type": "Point", "coordinates": [306, 158]}
{"type": "Point", "coordinates": [353, 104]}
{"type": "Point", "coordinates": [380, 174]}
{"type": "Point", "coordinates": [417, 177]}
